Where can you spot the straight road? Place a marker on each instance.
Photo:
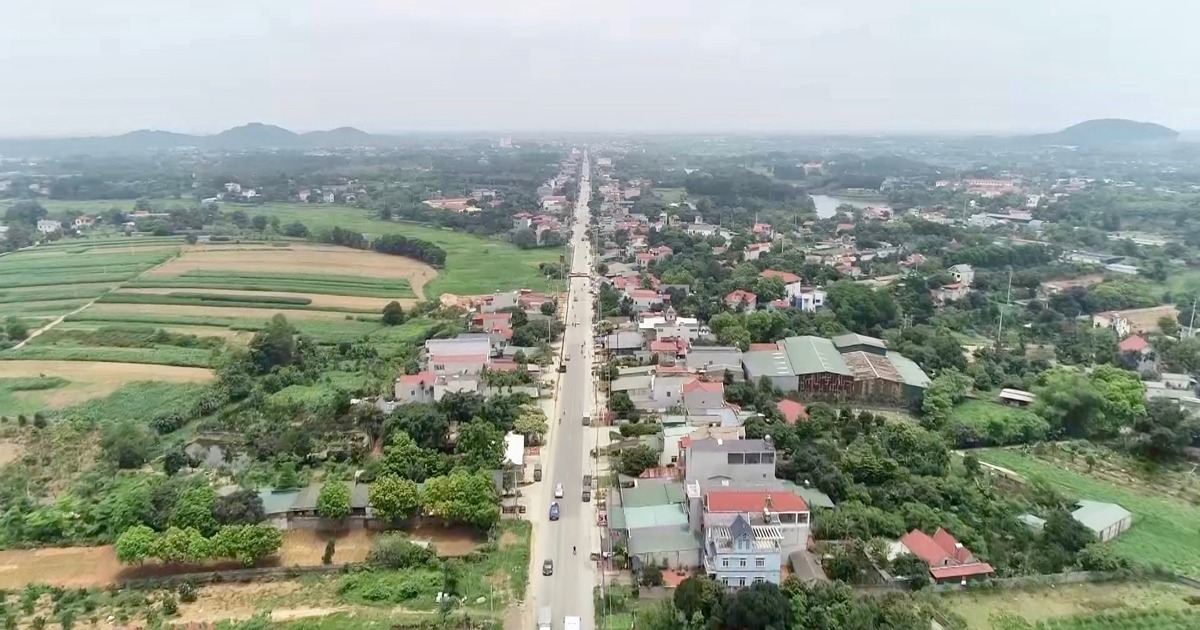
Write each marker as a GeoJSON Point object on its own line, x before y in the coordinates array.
{"type": "Point", "coordinates": [570, 540]}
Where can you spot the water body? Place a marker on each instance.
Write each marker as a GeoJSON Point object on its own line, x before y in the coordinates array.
{"type": "Point", "coordinates": [827, 206]}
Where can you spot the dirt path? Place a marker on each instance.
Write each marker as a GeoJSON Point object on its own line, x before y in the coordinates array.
{"type": "Point", "coordinates": [33, 335]}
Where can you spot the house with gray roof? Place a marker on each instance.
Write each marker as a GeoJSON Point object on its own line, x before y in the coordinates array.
{"type": "Point", "coordinates": [726, 462]}
{"type": "Point", "coordinates": [297, 509]}
{"type": "Point", "coordinates": [714, 361]}
{"type": "Point", "coordinates": [1105, 520]}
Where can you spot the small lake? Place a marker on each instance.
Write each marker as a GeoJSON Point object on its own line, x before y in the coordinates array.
{"type": "Point", "coordinates": [827, 206]}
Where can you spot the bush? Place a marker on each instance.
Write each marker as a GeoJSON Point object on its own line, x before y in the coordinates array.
{"type": "Point", "coordinates": [394, 552]}
{"type": "Point", "coordinates": [187, 592]}
{"type": "Point", "coordinates": [169, 605]}
{"type": "Point", "coordinates": [652, 575]}
{"type": "Point", "coordinates": [330, 547]}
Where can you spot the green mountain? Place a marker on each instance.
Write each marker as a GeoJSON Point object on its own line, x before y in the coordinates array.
{"type": "Point", "coordinates": [1110, 131]}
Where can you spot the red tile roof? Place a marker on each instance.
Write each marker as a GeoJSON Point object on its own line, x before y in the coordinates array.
{"type": "Point", "coordinates": [783, 275]}
{"type": "Point", "coordinates": [739, 296]}
{"type": "Point", "coordinates": [704, 386]}
{"type": "Point", "coordinates": [1136, 343]}
{"type": "Point", "coordinates": [947, 559]}
{"type": "Point", "coordinates": [754, 501]}
{"type": "Point", "coordinates": [643, 293]}
{"type": "Point", "coordinates": [792, 411]}
{"type": "Point", "coordinates": [762, 227]}
{"type": "Point", "coordinates": [961, 570]}
{"type": "Point", "coordinates": [763, 346]}
{"type": "Point", "coordinates": [424, 378]}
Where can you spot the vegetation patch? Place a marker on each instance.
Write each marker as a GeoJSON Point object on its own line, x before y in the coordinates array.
{"type": "Point", "coordinates": [985, 609]}
{"type": "Point", "coordinates": [1164, 528]}
{"type": "Point", "coordinates": [357, 286]}
{"type": "Point", "coordinates": [983, 423]}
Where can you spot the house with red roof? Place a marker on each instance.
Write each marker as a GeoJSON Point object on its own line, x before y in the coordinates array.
{"type": "Point", "coordinates": [788, 278]}
{"type": "Point", "coordinates": [644, 299]}
{"type": "Point", "coordinates": [792, 411]}
{"type": "Point", "coordinates": [1138, 352]}
{"type": "Point", "coordinates": [701, 394]}
{"type": "Point", "coordinates": [755, 250]}
{"type": "Point", "coordinates": [948, 560]}
{"type": "Point", "coordinates": [950, 292]}
{"type": "Point", "coordinates": [776, 515]}
{"type": "Point", "coordinates": [669, 349]}
{"type": "Point", "coordinates": [738, 298]}
{"type": "Point", "coordinates": [486, 322]}
{"type": "Point", "coordinates": [415, 388]}
{"type": "Point", "coordinates": [762, 229]}
{"type": "Point", "coordinates": [644, 259]}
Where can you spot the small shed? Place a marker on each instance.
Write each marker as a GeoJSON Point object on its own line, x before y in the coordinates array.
{"type": "Point", "coordinates": [1105, 520]}
{"type": "Point", "coordinates": [1016, 397]}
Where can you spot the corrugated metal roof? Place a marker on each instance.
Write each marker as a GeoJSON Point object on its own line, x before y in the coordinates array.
{"type": "Point", "coordinates": [854, 339]}
{"type": "Point", "coordinates": [814, 355]}
{"type": "Point", "coordinates": [865, 365]}
{"type": "Point", "coordinates": [626, 383]}
{"type": "Point", "coordinates": [655, 516]}
{"type": "Point", "coordinates": [1099, 516]}
{"type": "Point", "coordinates": [909, 370]}
{"type": "Point", "coordinates": [769, 363]}
{"type": "Point", "coordinates": [662, 543]}
{"type": "Point", "coordinates": [650, 495]}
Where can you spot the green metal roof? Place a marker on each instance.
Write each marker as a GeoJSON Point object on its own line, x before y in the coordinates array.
{"type": "Point", "coordinates": [652, 494]}
{"type": "Point", "coordinates": [616, 517]}
{"type": "Point", "coordinates": [769, 363]}
{"type": "Point", "coordinates": [814, 355]}
{"type": "Point", "coordinates": [854, 339]}
{"type": "Point", "coordinates": [908, 370]}
{"type": "Point", "coordinates": [654, 516]}
{"type": "Point", "coordinates": [663, 542]}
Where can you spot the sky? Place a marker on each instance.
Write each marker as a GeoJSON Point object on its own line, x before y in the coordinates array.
{"type": "Point", "coordinates": [80, 67]}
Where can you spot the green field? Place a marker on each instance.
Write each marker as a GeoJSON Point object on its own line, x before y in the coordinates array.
{"type": "Point", "coordinates": [222, 301]}
{"type": "Point", "coordinates": [671, 195]}
{"type": "Point", "coordinates": [1164, 530]}
{"type": "Point", "coordinates": [1065, 604]}
{"type": "Point", "coordinates": [995, 424]}
{"type": "Point", "coordinates": [14, 405]}
{"type": "Point", "coordinates": [473, 265]}
{"type": "Point", "coordinates": [356, 286]}
{"type": "Point", "coordinates": [160, 355]}
{"type": "Point", "coordinates": [324, 331]}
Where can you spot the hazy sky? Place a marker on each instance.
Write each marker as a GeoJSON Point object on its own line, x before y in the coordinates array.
{"type": "Point", "coordinates": [80, 66]}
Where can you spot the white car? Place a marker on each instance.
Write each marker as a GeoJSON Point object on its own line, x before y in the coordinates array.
{"type": "Point", "coordinates": [558, 491]}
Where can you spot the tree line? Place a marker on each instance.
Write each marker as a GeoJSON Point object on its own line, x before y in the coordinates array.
{"type": "Point", "coordinates": [244, 543]}
{"type": "Point", "coordinates": [394, 244]}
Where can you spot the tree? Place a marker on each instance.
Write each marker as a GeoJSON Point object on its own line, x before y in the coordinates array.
{"type": "Point", "coordinates": [392, 551]}
{"type": "Point", "coordinates": [127, 444]}
{"type": "Point", "coordinates": [860, 307]}
{"type": "Point", "coordinates": [25, 212]}
{"type": "Point", "coordinates": [621, 405]}
{"type": "Point", "coordinates": [463, 497]}
{"type": "Point", "coordinates": [913, 568]}
{"type": "Point", "coordinates": [295, 229]}
{"type": "Point", "coordinates": [651, 576]}
{"type": "Point", "coordinates": [525, 238]}
{"type": "Point", "coordinates": [180, 546]}
{"type": "Point", "coordinates": [174, 461]}
{"type": "Point", "coordinates": [769, 288]}
{"type": "Point", "coordinates": [239, 218]}
{"type": "Point", "coordinates": [135, 544]}
{"type": "Point", "coordinates": [393, 314]}
{"type": "Point", "coordinates": [193, 509]}
{"type": "Point", "coordinates": [19, 235]}
{"type": "Point", "coordinates": [1070, 402]}
{"type": "Point", "coordinates": [758, 607]}
{"type": "Point", "coordinates": [246, 543]}
{"type": "Point", "coordinates": [947, 390]}
{"type": "Point", "coordinates": [15, 329]}
{"type": "Point", "coordinates": [425, 423]}
{"type": "Point", "coordinates": [333, 501]}
{"type": "Point", "coordinates": [405, 459]}
{"type": "Point", "coordinates": [274, 346]}
{"type": "Point", "coordinates": [1163, 432]}
{"type": "Point", "coordinates": [240, 507]}
{"type": "Point", "coordinates": [698, 595]}
{"type": "Point", "coordinates": [548, 308]}
{"type": "Point", "coordinates": [531, 423]}
{"type": "Point", "coordinates": [394, 498]}
{"type": "Point", "coordinates": [480, 445]}
{"type": "Point", "coordinates": [635, 460]}
{"type": "Point", "coordinates": [259, 222]}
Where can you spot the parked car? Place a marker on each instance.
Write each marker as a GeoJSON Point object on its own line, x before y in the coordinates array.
{"type": "Point", "coordinates": [587, 495]}
{"type": "Point", "coordinates": [554, 511]}
{"type": "Point", "coordinates": [548, 567]}
{"type": "Point", "coordinates": [558, 491]}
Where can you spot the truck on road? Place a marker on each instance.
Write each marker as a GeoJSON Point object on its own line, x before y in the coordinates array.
{"type": "Point", "coordinates": [544, 618]}
{"type": "Point", "coordinates": [571, 623]}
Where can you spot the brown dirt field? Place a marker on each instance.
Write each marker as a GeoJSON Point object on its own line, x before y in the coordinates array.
{"type": "Point", "coordinates": [449, 542]}
{"type": "Point", "coordinates": [319, 300]}
{"type": "Point", "coordinates": [220, 602]}
{"type": "Point", "coordinates": [213, 311]}
{"type": "Point", "coordinates": [301, 258]}
{"type": "Point", "coordinates": [305, 547]}
{"type": "Point", "coordinates": [91, 379]}
{"type": "Point", "coordinates": [10, 451]}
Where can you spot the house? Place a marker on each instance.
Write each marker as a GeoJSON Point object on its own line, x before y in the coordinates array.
{"type": "Point", "coordinates": [788, 278]}
{"type": "Point", "coordinates": [950, 292]}
{"type": "Point", "coordinates": [624, 343]}
{"type": "Point", "coordinates": [714, 361]}
{"type": "Point", "coordinates": [772, 365]}
{"type": "Point", "coordinates": [667, 390]}
{"type": "Point", "coordinates": [85, 221]}
{"type": "Point", "coordinates": [636, 387]}
{"type": "Point", "coordinates": [740, 554]}
{"type": "Point", "coordinates": [720, 462]}
{"type": "Point", "coordinates": [669, 325]}
{"type": "Point", "coordinates": [1138, 352]}
{"type": "Point", "coordinates": [297, 509]}
{"type": "Point", "coordinates": [1016, 397]}
{"type": "Point", "coordinates": [415, 388]}
{"type": "Point", "coordinates": [644, 299]}
{"type": "Point", "coordinates": [698, 394]}
{"type": "Point", "coordinates": [755, 250]}
{"type": "Point", "coordinates": [1113, 321]}
{"type": "Point", "coordinates": [656, 534]}
{"type": "Point", "coordinates": [49, 226]}
{"type": "Point", "coordinates": [948, 560]}
{"type": "Point", "coordinates": [807, 299]}
{"type": "Point", "coordinates": [460, 363]}
{"type": "Point", "coordinates": [1134, 320]}
{"type": "Point", "coordinates": [1105, 520]}
{"type": "Point", "coordinates": [777, 508]}
{"type": "Point", "coordinates": [739, 298]}
{"type": "Point", "coordinates": [963, 274]}
{"type": "Point", "coordinates": [1181, 382]}
{"type": "Point", "coordinates": [792, 411]}
{"type": "Point", "coordinates": [669, 349]}
{"type": "Point", "coordinates": [762, 230]}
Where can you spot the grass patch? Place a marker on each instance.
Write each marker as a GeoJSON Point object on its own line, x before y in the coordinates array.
{"type": "Point", "coordinates": [993, 424]}
{"type": "Point", "coordinates": [32, 383]}
{"type": "Point", "coordinates": [142, 400]}
{"type": "Point", "coordinates": [473, 265]}
{"type": "Point", "coordinates": [1068, 603]}
{"type": "Point", "coordinates": [1163, 531]}
{"type": "Point", "coordinates": [28, 403]}
{"type": "Point", "coordinates": [162, 355]}
{"type": "Point", "coordinates": [355, 286]}
{"type": "Point", "coordinates": [45, 294]}
{"type": "Point", "coordinates": [671, 195]}
{"type": "Point", "coordinates": [323, 331]}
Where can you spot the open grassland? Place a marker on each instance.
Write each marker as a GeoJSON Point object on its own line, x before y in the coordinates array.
{"type": "Point", "coordinates": [27, 387]}
{"type": "Point", "coordinates": [325, 284]}
{"type": "Point", "coordinates": [473, 265]}
{"type": "Point", "coordinates": [1164, 530]}
{"type": "Point", "coordinates": [1071, 605]}
{"type": "Point", "coordinates": [325, 327]}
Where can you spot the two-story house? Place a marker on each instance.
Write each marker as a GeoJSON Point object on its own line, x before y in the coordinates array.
{"type": "Point", "coordinates": [669, 325]}
{"type": "Point", "coordinates": [415, 388]}
{"type": "Point", "coordinates": [963, 274]}
{"type": "Point", "coordinates": [720, 462]}
{"type": "Point", "coordinates": [786, 513]}
{"type": "Point", "coordinates": [644, 299]}
{"type": "Point", "coordinates": [698, 394]}
{"type": "Point", "coordinates": [740, 554]}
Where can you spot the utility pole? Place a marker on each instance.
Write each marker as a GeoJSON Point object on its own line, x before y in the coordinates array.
{"type": "Point", "coordinates": [1007, 301]}
{"type": "Point", "coordinates": [1192, 321]}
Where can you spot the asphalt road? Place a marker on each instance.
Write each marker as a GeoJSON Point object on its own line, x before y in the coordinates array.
{"type": "Point", "coordinates": [568, 592]}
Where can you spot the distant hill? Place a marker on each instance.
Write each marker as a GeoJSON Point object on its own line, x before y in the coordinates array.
{"type": "Point", "coordinates": [1109, 131]}
{"type": "Point", "coordinates": [242, 138]}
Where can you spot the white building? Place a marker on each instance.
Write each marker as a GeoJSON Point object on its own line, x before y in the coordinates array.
{"type": "Point", "coordinates": [669, 325]}
{"type": "Point", "coordinates": [49, 226]}
{"type": "Point", "coordinates": [963, 274]}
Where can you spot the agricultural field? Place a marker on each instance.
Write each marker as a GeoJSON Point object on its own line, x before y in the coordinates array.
{"type": "Point", "coordinates": [1165, 512]}
{"type": "Point", "coordinates": [1075, 606]}
{"type": "Point", "coordinates": [27, 387]}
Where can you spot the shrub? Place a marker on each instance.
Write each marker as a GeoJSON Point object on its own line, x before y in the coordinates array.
{"type": "Point", "coordinates": [187, 592]}
{"type": "Point", "coordinates": [394, 552]}
{"type": "Point", "coordinates": [169, 605]}
{"type": "Point", "coordinates": [330, 547]}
